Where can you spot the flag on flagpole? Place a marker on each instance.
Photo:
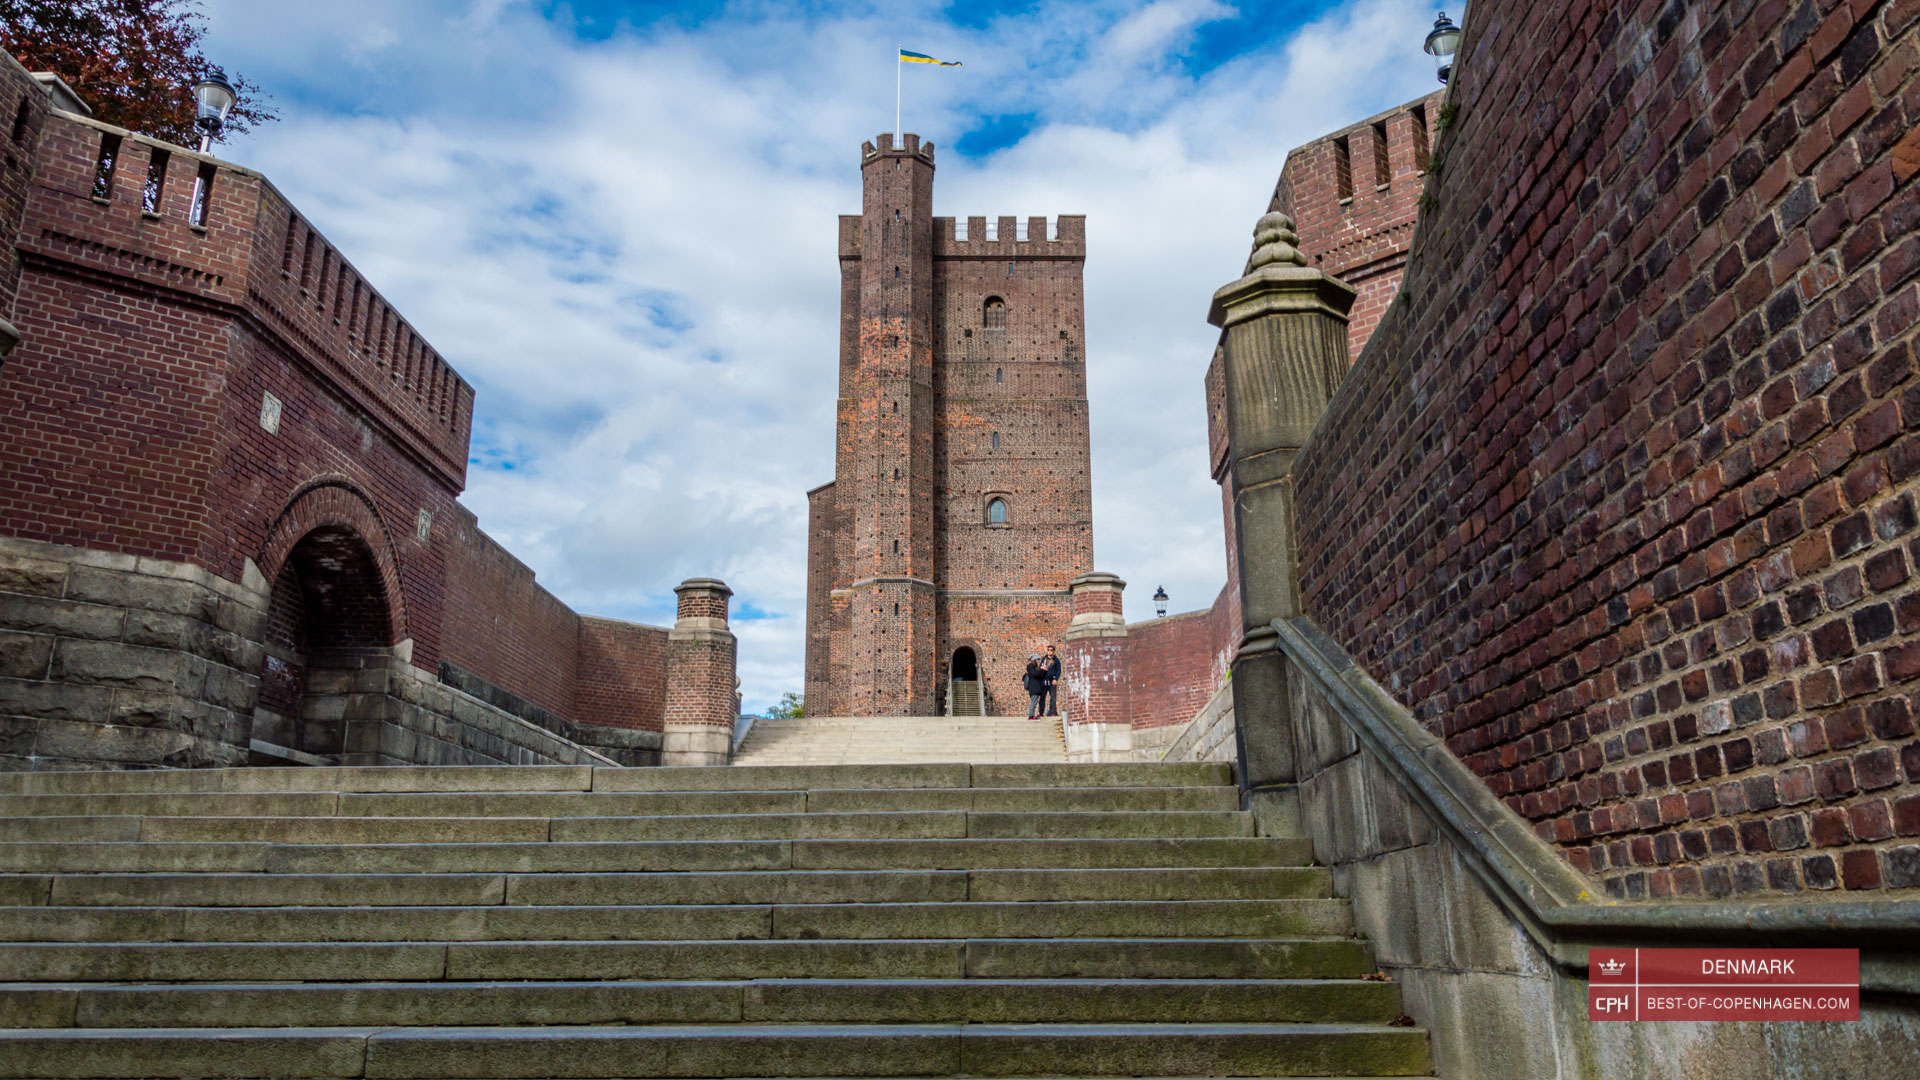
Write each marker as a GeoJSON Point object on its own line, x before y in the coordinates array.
{"type": "Point", "coordinates": [907, 56]}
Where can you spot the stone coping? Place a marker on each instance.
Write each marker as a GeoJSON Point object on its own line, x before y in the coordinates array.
{"type": "Point", "coordinates": [1554, 903]}
{"type": "Point", "coordinates": [252, 592]}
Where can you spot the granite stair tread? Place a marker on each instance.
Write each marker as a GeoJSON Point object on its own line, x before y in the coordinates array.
{"type": "Point", "coordinates": [970, 918]}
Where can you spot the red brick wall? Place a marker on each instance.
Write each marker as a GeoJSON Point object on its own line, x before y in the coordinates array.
{"type": "Point", "coordinates": [511, 632]}
{"type": "Point", "coordinates": [1179, 662]}
{"type": "Point", "coordinates": [1621, 497]}
{"type": "Point", "coordinates": [622, 675]}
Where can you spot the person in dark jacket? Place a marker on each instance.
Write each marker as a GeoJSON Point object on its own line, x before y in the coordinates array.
{"type": "Point", "coordinates": [1050, 672]}
{"type": "Point", "coordinates": [1036, 684]}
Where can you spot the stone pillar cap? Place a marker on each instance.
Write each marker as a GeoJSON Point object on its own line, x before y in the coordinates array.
{"type": "Point", "coordinates": [703, 584]}
{"type": "Point", "coordinates": [1097, 577]}
{"type": "Point", "coordinates": [1278, 280]}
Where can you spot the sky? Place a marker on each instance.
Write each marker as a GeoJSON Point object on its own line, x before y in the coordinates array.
{"type": "Point", "coordinates": [618, 222]}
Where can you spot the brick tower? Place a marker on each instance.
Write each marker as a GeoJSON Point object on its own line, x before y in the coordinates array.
{"type": "Point", "coordinates": [961, 506]}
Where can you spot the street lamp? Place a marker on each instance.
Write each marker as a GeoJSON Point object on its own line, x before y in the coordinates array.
{"type": "Point", "coordinates": [215, 96]}
{"type": "Point", "coordinates": [1442, 42]}
{"type": "Point", "coordinates": [1160, 603]}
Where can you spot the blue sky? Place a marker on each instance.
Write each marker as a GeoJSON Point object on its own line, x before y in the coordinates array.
{"type": "Point", "coordinates": [617, 220]}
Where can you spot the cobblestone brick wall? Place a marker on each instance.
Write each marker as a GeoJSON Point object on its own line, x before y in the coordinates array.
{"type": "Point", "coordinates": [1620, 498]}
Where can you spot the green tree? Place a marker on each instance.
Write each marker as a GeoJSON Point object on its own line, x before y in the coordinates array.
{"type": "Point", "coordinates": [792, 706]}
{"type": "Point", "coordinates": [133, 61]}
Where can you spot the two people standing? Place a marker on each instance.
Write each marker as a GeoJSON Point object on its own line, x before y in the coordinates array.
{"type": "Point", "coordinates": [1043, 672]}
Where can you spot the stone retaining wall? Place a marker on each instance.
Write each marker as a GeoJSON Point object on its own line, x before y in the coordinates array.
{"type": "Point", "coordinates": [396, 714]}
{"type": "Point", "coordinates": [117, 661]}
{"type": "Point", "coordinates": [112, 660]}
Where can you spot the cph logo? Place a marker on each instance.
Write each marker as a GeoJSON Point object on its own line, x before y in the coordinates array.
{"type": "Point", "coordinates": [1616, 1005]}
{"type": "Point", "coordinates": [1612, 967]}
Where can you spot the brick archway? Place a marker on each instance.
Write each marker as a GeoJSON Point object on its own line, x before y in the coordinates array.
{"type": "Point", "coordinates": [333, 505]}
{"type": "Point", "coordinates": [334, 606]}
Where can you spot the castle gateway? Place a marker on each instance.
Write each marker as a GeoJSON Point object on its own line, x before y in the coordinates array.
{"type": "Point", "coordinates": [940, 555]}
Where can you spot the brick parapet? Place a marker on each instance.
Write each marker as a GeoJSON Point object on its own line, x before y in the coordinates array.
{"type": "Point", "coordinates": [1180, 662]}
{"type": "Point", "coordinates": [1354, 195]}
{"type": "Point", "coordinates": [1620, 498]}
{"type": "Point", "coordinates": [621, 678]}
{"type": "Point", "coordinates": [250, 256]}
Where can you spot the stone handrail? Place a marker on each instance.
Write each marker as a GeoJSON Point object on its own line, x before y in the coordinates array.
{"type": "Point", "coordinates": [1551, 900]}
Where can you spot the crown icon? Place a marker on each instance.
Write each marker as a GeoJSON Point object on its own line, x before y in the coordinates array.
{"type": "Point", "coordinates": [1612, 967]}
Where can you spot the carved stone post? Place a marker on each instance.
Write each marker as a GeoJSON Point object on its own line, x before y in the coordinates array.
{"type": "Point", "coordinates": [700, 678]}
{"type": "Point", "coordinates": [1285, 354]}
{"type": "Point", "coordinates": [1094, 659]}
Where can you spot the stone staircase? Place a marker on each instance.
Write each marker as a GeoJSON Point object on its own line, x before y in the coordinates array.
{"type": "Point", "coordinates": [563, 921]}
{"type": "Point", "coordinates": [879, 740]}
{"type": "Point", "coordinates": [966, 698]}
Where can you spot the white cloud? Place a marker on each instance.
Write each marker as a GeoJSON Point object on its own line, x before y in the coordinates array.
{"type": "Point", "coordinates": [627, 246]}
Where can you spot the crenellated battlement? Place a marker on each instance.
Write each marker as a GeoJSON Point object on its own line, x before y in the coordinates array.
{"type": "Point", "coordinates": [881, 145]}
{"type": "Point", "coordinates": [170, 218]}
{"type": "Point", "coordinates": [1008, 237]}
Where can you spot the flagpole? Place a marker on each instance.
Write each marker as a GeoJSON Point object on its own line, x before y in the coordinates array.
{"type": "Point", "coordinates": [896, 95]}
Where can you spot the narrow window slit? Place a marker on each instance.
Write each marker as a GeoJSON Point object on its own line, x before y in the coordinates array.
{"type": "Point", "coordinates": [202, 195]}
{"type": "Point", "coordinates": [156, 181]}
{"type": "Point", "coordinates": [103, 166]}
{"type": "Point", "coordinates": [286, 253]}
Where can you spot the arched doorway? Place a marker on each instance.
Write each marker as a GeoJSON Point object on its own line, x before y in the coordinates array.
{"type": "Point", "coordinates": [328, 612]}
{"type": "Point", "coordinates": [965, 696]}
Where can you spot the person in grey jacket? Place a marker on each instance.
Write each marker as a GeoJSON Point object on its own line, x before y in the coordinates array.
{"type": "Point", "coordinates": [1036, 684]}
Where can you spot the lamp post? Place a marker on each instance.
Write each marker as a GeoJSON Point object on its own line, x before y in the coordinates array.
{"type": "Point", "coordinates": [1442, 42]}
{"type": "Point", "coordinates": [1160, 603]}
{"type": "Point", "coordinates": [214, 96]}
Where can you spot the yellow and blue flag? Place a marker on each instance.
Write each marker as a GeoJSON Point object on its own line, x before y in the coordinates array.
{"type": "Point", "coordinates": [909, 57]}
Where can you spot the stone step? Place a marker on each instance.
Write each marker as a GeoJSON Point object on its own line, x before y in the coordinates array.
{"type": "Point", "coordinates": [342, 778]}
{"type": "Point", "coordinates": [897, 958]}
{"type": "Point", "coordinates": [679, 922]}
{"type": "Point", "coordinates": [776, 1001]}
{"type": "Point", "coordinates": [984, 918]}
{"type": "Point", "coordinates": [921, 824]}
{"type": "Point", "coordinates": [1016, 799]}
{"type": "Point", "coordinates": [587, 778]}
{"type": "Point", "coordinates": [726, 887]}
{"type": "Point", "coordinates": [729, 1050]}
{"type": "Point", "coordinates": [617, 804]}
{"type": "Point", "coordinates": [631, 857]}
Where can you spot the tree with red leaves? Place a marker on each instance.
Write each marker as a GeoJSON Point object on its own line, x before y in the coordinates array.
{"type": "Point", "coordinates": [133, 61]}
